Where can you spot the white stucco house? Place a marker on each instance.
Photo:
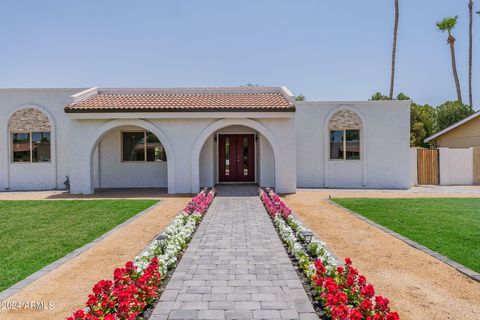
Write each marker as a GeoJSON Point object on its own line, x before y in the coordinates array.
{"type": "Point", "coordinates": [185, 138]}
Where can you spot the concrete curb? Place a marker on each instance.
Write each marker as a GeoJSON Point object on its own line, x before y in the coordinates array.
{"type": "Point", "coordinates": [459, 267]}
{"type": "Point", "coordinates": [54, 265]}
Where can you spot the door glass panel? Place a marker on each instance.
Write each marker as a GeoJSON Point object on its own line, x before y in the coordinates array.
{"type": "Point", "coordinates": [245, 156]}
{"type": "Point", "coordinates": [227, 156]}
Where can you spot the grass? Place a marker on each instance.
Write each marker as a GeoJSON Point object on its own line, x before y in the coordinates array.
{"type": "Point", "coordinates": [35, 233]}
{"type": "Point", "coordinates": [448, 226]}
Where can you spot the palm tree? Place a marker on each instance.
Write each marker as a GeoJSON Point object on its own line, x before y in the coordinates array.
{"type": "Point", "coordinates": [447, 25]}
{"type": "Point", "coordinates": [394, 49]}
{"type": "Point", "coordinates": [470, 51]}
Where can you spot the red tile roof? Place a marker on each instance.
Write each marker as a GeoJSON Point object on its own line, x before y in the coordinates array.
{"type": "Point", "coordinates": [181, 100]}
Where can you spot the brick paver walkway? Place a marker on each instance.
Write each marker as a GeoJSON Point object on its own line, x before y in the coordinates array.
{"type": "Point", "coordinates": [235, 268]}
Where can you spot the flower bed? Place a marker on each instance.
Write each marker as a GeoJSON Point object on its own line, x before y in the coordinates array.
{"type": "Point", "coordinates": [341, 291]}
{"type": "Point", "coordinates": [136, 286]}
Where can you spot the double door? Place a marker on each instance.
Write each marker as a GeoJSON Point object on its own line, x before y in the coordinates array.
{"type": "Point", "coordinates": [236, 158]}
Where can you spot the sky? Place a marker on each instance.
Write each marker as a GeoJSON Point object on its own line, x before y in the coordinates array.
{"type": "Point", "coordinates": [323, 49]}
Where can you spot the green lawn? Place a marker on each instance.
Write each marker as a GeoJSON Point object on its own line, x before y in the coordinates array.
{"type": "Point", "coordinates": [448, 226]}
{"type": "Point", "coordinates": [36, 233]}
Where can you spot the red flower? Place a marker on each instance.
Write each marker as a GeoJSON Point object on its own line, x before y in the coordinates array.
{"type": "Point", "coordinates": [366, 305]}
{"type": "Point", "coordinates": [381, 303]}
{"type": "Point", "coordinates": [392, 316]}
{"type": "Point", "coordinates": [339, 312]}
{"type": "Point", "coordinates": [355, 315]}
{"type": "Point", "coordinates": [368, 291]}
{"type": "Point", "coordinates": [348, 262]}
{"type": "Point", "coordinates": [320, 267]}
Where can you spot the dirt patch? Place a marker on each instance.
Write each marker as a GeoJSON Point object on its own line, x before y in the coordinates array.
{"type": "Point", "coordinates": [68, 286]}
{"type": "Point", "coordinates": [419, 286]}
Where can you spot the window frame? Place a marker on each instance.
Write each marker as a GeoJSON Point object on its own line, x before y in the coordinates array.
{"type": "Point", "coordinates": [30, 142]}
{"type": "Point", "coordinates": [344, 143]}
{"type": "Point", "coordinates": [144, 147]}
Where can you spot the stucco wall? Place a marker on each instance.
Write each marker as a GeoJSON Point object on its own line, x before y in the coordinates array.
{"type": "Point", "coordinates": [208, 164]}
{"type": "Point", "coordinates": [36, 176]}
{"type": "Point", "coordinates": [114, 173]}
{"type": "Point", "coordinates": [456, 166]}
{"type": "Point", "coordinates": [266, 163]}
{"type": "Point", "coordinates": [289, 146]}
{"type": "Point", "coordinates": [464, 136]}
{"type": "Point", "coordinates": [414, 166]}
{"type": "Point", "coordinates": [184, 137]}
{"type": "Point", "coordinates": [385, 150]}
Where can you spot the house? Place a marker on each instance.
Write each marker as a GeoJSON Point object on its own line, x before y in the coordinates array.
{"type": "Point", "coordinates": [185, 138]}
{"type": "Point", "coordinates": [462, 134]}
{"type": "Point", "coordinates": [459, 151]}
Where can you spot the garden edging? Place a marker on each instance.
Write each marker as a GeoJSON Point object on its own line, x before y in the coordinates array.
{"type": "Point", "coordinates": [57, 263]}
{"type": "Point", "coordinates": [457, 266]}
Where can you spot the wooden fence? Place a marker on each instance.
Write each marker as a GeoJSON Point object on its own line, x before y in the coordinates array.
{"type": "Point", "coordinates": [428, 168]}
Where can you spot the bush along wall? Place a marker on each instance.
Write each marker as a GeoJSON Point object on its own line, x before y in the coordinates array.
{"type": "Point", "coordinates": [341, 292]}
{"type": "Point", "coordinates": [136, 286]}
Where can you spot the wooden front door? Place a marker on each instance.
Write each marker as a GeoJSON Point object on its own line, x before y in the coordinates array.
{"type": "Point", "coordinates": [236, 158]}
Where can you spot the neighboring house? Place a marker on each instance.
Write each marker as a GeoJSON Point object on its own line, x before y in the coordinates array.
{"type": "Point", "coordinates": [459, 151]}
{"type": "Point", "coordinates": [186, 138]}
{"type": "Point", "coordinates": [463, 134]}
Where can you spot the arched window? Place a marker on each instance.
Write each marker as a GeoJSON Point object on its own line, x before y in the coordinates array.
{"type": "Point", "coordinates": [30, 130]}
{"type": "Point", "coordinates": [344, 127]}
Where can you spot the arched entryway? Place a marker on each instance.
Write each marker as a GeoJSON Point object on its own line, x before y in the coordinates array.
{"type": "Point", "coordinates": [129, 153]}
{"type": "Point", "coordinates": [235, 150]}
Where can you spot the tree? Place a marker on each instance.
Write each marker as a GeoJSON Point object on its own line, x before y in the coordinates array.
{"type": "Point", "coordinates": [402, 96]}
{"type": "Point", "coordinates": [470, 51]}
{"type": "Point", "coordinates": [394, 48]}
{"type": "Point", "coordinates": [451, 112]}
{"type": "Point", "coordinates": [422, 124]}
{"type": "Point", "coordinates": [447, 25]}
{"type": "Point", "coordinates": [379, 96]}
{"type": "Point", "coordinates": [300, 97]}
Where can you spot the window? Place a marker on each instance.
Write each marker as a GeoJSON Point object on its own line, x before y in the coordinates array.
{"type": "Point", "coordinates": [345, 145]}
{"type": "Point", "coordinates": [31, 147]}
{"type": "Point", "coordinates": [142, 146]}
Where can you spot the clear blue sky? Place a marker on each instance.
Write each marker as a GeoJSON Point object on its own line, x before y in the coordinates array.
{"type": "Point", "coordinates": [324, 49]}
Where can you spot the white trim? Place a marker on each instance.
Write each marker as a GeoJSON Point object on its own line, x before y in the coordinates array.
{"type": "Point", "coordinates": [85, 94]}
{"type": "Point", "coordinates": [453, 126]}
{"type": "Point", "coordinates": [195, 90]}
{"type": "Point", "coordinates": [352, 104]}
{"type": "Point", "coordinates": [179, 115]}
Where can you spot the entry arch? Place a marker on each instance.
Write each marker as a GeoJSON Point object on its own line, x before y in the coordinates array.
{"type": "Point", "coordinates": [223, 123]}
{"type": "Point", "coordinates": [100, 132]}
